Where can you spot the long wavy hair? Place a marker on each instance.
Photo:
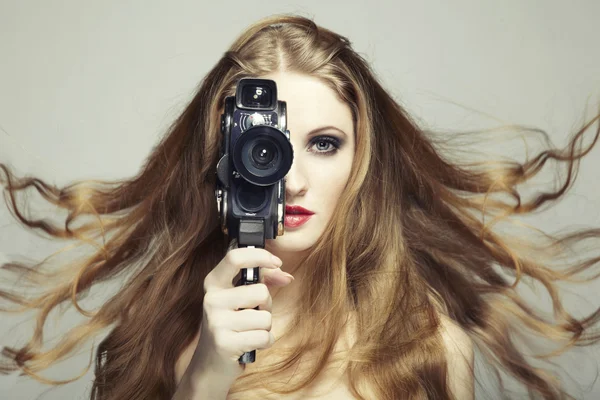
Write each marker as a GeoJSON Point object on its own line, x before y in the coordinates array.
{"type": "Point", "coordinates": [414, 240]}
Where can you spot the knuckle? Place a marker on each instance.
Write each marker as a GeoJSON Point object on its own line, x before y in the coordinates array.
{"type": "Point", "coordinates": [233, 257]}
{"type": "Point", "coordinates": [205, 286]}
{"type": "Point", "coordinates": [215, 322]}
{"type": "Point", "coordinates": [210, 325]}
{"type": "Point", "coordinates": [209, 300]}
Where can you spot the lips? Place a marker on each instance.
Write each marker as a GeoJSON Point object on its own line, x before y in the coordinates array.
{"type": "Point", "coordinates": [296, 216]}
{"type": "Point", "coordinates": [297, 210]}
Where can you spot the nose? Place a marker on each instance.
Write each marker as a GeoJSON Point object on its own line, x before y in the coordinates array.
{"type": "Point", "coordinates": [296, 183]}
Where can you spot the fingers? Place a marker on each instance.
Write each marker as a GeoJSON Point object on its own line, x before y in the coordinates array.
{"type": "Point", "coordinates": [237, 319]}
{"type": "Point", "coordinates": [247, 320]}
{"type": "Point", "coordinates": [275, 277]}
{"type": "Point", "coordinates": [248, 296]}
{"type": "Point", "coordinates": [222, 275]}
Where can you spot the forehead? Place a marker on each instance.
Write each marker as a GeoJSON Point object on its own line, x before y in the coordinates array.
{"type": "Point", "coordinates": [310, 103]}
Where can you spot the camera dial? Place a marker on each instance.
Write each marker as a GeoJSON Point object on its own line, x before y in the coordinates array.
{"type": "Point", "coordinates": [256, 119]}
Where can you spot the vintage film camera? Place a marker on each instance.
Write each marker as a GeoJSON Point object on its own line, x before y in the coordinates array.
{"type": "Point", "coordinates": [255, 156]}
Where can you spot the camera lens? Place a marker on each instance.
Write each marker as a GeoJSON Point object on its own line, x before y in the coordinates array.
{"type": "Point", "coordinates": [256, 96]}
{"type": "Point", "coordinates": [263, 154]}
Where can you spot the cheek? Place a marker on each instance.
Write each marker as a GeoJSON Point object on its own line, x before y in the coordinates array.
{"type": "Point", "coordinates": [331, 180]}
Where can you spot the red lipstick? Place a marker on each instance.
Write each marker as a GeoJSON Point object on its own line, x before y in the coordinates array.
{"type": "Point", "coordinates": [296, 216]}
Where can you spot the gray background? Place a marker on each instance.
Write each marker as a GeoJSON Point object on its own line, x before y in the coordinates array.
{"type": "Point", "coordinates": [88, 87]}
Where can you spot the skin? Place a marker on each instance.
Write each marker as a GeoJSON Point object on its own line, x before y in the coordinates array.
{"type": "Point", "coordinates": [316, 182]}
{"type": "Point", "coordinates": [318, 174]}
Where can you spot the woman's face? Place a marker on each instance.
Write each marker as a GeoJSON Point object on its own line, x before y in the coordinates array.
{"type": "Point", "coordinates": [322, 136]}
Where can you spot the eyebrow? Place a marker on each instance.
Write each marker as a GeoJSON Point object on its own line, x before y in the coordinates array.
{"type": "Point", "coordinates": [325, 128]}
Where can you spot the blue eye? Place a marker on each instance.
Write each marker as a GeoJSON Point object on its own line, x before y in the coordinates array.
{"type": "Point", "coordinates": [326, 145]}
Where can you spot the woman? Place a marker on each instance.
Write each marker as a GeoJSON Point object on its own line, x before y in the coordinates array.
{"type": "Point", "coordinates": [395, 277]}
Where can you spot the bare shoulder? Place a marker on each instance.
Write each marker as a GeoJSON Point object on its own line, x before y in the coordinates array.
{"type": "Point", "coordinates": [460, 356]}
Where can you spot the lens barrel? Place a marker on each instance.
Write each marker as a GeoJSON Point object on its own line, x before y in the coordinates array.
{"type": "Point", "coordinates": [262, 155]}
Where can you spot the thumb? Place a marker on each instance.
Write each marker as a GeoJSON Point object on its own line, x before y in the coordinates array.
{"type": "Point", "coordinates": [275, 277]}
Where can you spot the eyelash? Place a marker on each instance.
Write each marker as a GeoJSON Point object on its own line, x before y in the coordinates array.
{"type": "Point", "coordinates": [327, 139]}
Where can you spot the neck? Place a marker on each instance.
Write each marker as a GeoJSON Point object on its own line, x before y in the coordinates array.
{"type": "Point", "coordinates": [285, 299]}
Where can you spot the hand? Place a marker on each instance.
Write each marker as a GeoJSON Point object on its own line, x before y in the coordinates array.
{"type": "Point", "coordinates": [226, 331]}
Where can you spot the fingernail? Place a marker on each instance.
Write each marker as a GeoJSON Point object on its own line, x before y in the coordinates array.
{"type": "Point", "coordinates": [288, 275]}
{"type": "Point", "coordinates": [277, 261]}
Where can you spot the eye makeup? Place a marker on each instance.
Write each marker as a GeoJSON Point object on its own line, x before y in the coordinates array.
{"type": "Point", "coordinates": [331, 143]}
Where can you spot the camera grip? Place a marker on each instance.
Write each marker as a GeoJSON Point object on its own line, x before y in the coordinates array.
{"type": "Point", "coordinates": [249, 277]}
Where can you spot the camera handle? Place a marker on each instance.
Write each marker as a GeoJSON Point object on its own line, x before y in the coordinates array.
{"type": "Point", "coordinates": [251, 234]}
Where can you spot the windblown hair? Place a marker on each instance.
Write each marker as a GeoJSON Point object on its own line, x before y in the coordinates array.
{"type": "Point", "coordinates": [405, 244]}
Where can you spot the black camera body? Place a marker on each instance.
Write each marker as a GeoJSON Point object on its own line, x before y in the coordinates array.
{"type": "Point", "coordinates": [255, 156]}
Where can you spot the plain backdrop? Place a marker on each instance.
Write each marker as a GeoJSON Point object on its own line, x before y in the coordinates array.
{"type": "Point", "coordinates": [88, 87]}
